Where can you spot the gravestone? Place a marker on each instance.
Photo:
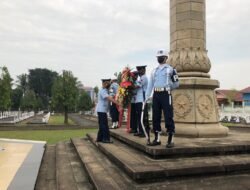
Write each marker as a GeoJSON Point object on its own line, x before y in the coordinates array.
{"type": "Point", "coordinates": [195, 103]}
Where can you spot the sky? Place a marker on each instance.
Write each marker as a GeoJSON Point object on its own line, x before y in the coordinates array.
{"type": "Point", "coordinates": [96, 38]}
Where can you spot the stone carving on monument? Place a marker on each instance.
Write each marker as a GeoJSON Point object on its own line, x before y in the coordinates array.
{"type": "Point", "coordinates": [195, 104]}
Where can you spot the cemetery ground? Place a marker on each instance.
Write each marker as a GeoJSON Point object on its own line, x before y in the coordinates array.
{"type": "Point", "coordinates": [50, 136]}
{"type": "Point", "coordinates": [73, 160]}
{"type": "Point", "coordinates": [53, 132]}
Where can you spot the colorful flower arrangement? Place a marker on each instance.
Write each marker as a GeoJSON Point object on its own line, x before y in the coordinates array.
{"type": "Point", "coordinates": [126, 80]}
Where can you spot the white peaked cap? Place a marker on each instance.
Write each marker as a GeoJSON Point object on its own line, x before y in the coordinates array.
{"type": "Point", "coordinates": [161, 52]}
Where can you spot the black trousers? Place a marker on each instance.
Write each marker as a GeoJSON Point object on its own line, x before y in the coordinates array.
{"type": "Point", "coordinates": [114, 113]}
{"type": "Point", "coordinates": [133, 118]}
{"type": "Point", "coordinates": [161, 102]}
{"type": "Point", "coordinates": [138, 107]}
{"type": "Point", "coordinates": [103, 133]}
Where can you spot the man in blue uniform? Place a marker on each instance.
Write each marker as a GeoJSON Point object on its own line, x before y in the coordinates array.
{"type": "Point", "coordinates": [102, 109]}
{"type": "Point", "coordinates": [133, 118]}
{"type": "Point", "coordinates": [163, 79]}
{"type": "Point", "coordinates": [140, 98]}
{"type": "Point", "coordinates": [113, 107]}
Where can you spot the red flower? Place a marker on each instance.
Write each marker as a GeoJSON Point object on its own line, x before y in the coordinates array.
{"type": "Point", "coordinates": [126, 84]}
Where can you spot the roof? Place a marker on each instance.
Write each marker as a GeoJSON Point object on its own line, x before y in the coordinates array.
{"type": "Point", "coordinates": [224, 94]}
{"type": "Point", "coordinates": [238, 97]}
{"type": "Point", "coordinates": [246, 90]}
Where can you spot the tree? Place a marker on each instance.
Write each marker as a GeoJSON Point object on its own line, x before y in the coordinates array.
{"type": "Point", "coordinates": [5, 89]}
{"type": "Point", "coordinates": [41, 81]}
{"type": "Point", "coordinates": [22, 82]}
{"type": "Point", "coordinates": [29, 101]}
{"type": "Point", "coordinates": [231, 94]}
{"type": "Point", "coordinates": [85, 103]}
{"type": "Point", "coordinates": [96, 90]}
{"type": "Point", "coordinates": [64, 93]}
{"type": "Point", "coordinates": [16, 97]}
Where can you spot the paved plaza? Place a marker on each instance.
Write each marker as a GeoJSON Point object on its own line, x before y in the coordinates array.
{"type": "Point", "coordinates": [19, 163]}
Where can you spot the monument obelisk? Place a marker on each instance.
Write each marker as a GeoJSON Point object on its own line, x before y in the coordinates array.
{"type": "Point", "coordinates": [195, 104]}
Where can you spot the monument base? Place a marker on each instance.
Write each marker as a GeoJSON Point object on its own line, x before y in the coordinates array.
{"type": "Point", "coordinates": [196, 109]}
{"type": "Point", "coordinates": [201, 130]}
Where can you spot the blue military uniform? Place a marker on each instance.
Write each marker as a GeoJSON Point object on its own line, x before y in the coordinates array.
{"type": "Point", "coordinates": [163, 79]}
{"type": "Point", "coordinates": [142, 84]}
{"type": "Point", "coordinates": [140, 98]}
{"type": "Point", "coordinates": [133, 118]}
{"type": "Point", "coordinates": [102, 109]}
{"type": "Point", "coordinates": [113, 108]}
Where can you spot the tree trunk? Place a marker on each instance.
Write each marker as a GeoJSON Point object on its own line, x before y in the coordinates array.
{"type": "Point", "coordinates": [66, 115]}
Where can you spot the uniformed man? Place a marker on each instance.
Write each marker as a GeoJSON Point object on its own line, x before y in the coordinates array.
{"type": "Point", "coordinates": [102, 109]}
{"type": "Point", "coordinates": [163, 79]}
{"type": "Point", "coordinates": [140, 98]}
{"type": "Point", "coordinates": [113, 107]}
{"type": "Point", "coordinates": [133, 118]}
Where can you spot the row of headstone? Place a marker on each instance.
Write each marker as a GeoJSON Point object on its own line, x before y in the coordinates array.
{"type": "Point", "coordinates": [7, 114]}
{"type": "Point", "coordinates": [15, 116]}
{"type": "Point", "coordinates": [40, 113]}
{"type": "Point", "coordinates": [235, 118]}
{"type": "Point", "coordinates": [46, 118]}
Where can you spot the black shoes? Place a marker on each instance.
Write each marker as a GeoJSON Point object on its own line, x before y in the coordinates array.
{"type": "Point", "coordinates": [107, 141]}
{"type": "Point", "coordinates": [139, 135]}
{"type": "Point", "coordinates": [136, 134]}
{"type": "Point", "coordinates": [154, 143]}
{"type": "Point", "coordinates": [170, 145]}
{"type": "Point", "coordinates": [132, 131]}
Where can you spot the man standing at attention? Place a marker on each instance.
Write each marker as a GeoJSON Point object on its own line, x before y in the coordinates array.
{"type": "Point", "coordinates": [102, 109]}
{"type": "Point", "coordinates": [140, 98]}
{"type": "Point", "coordinates": [113, 107]}
{"type": "Point", "coordinates": [163, 79]}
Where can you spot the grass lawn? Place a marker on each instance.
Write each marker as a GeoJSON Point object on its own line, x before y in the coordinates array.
{"type": "Point", "coordinates": [233, 124]}
{"type": "Point", "coordinates": [58, 120]}
{"type": "Point", "coordinates": [51, 136]}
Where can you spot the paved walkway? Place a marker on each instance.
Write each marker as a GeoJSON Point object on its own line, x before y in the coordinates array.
{"type": "Point", "coordinates": [83, 121]}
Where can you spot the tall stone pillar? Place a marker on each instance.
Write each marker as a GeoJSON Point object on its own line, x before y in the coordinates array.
{"type": "Point", "coordinates": [195, 104]}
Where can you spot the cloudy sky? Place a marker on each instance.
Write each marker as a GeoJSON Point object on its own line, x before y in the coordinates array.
{"type": "Point", "coordinates": [95, 38]}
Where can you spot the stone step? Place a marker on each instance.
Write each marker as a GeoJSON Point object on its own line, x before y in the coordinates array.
{"type": "Point", "coordinates": [235, 143]}
{"type": "Point", "coordinates": [61, 168]}
{"type": "Point", "coordinates": [70, 173]}
{"type": "Point", "coordinates": [102, 173]}
{"type": "Point", "coordinates": [142, 168]}
{"type": "Point", "coordinates": [79, 173]}
{"type": "Point", "coordinates": [46, 179]}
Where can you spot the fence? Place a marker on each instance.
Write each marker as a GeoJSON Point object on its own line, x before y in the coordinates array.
{"type": "Point", "coordinates": [235, 115]}
{"type": "Point", "coordinates": [14, 116]}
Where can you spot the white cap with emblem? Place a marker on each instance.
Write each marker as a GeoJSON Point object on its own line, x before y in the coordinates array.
{"type": "Point", "coordinates": [161, 52]}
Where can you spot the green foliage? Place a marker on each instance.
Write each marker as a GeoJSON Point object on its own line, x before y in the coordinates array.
{"type": "Point", "coordinates": [16, 97]}
{"type": "Point", "coordinates": [231, 95]}
{"type": "Point", "coordinates": [41, 81]}
{"type": "Point", "coordinates": [58, 120]}
{"type": "Point", "coordinates": [50, 136]}
{"type": "Point", "coordinates": [29, 101]}
{"type": "Point", "coordinates": [85, 103]}
{"type": "Point", "coordinates": [5, 89]}
{"type": "Point", "coordinates": [64, 93]}
{"type": "Point", "coordinates": [96, 90]}
{"type": "Point", "coordinates": [22, 82]}
{"type": "Point", "coordinates": [119, 77]}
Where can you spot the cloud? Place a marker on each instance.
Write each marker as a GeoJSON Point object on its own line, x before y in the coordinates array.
{"type": "Point", "coordinates": [94, 39]}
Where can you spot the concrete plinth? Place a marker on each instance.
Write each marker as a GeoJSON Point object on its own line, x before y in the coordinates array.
{"type": "Point", "coordinates": [196, 109]}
